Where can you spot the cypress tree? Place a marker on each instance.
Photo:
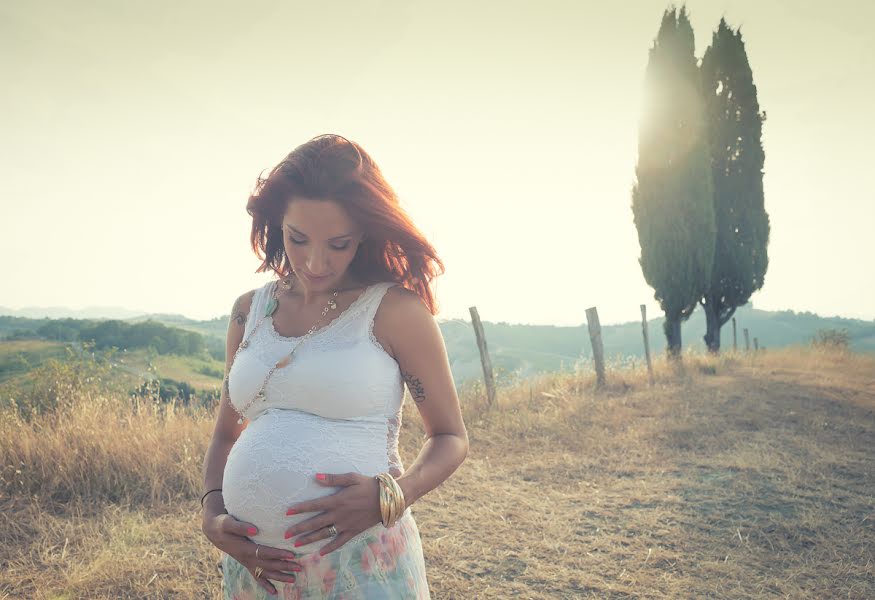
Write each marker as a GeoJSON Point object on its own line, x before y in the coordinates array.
{"type": "Point", "coordinates": [672, 198]}
{"type": "Point", "coordinates": [735, 132]}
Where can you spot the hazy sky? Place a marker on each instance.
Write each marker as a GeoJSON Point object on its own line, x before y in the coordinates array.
{"type": "Point", "coordinates": [131, 134]}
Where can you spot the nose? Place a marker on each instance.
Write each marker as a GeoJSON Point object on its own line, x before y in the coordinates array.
{"type": "Point", "coordinates": [317, 263]}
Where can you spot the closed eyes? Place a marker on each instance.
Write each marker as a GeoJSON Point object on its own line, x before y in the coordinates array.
{"type": "Point", "coordinates": [301, 242]}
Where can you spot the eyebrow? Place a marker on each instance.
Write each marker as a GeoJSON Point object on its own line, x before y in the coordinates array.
{"type": "Point", "coordinates": [329, 239]}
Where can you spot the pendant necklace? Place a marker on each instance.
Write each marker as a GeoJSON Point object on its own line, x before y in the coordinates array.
{"type": "Point", "coordinates": [270, 308]}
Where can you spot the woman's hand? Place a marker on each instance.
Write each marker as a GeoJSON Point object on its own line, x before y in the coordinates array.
{"type": "Point", "coordinates": [229, 535]}
{"type": "Point", "coordinates": [351, 510]}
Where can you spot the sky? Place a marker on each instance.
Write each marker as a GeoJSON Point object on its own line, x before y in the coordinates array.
{"type": "Point", "coordinates": [131, 134]}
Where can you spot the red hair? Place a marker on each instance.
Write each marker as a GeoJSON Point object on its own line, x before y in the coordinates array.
{"type": "Point", "coordinates": [331, 167]}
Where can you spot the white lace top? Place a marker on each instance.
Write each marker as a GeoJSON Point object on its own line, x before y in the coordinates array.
{"type": "Point", "coordinates": [335, 408]}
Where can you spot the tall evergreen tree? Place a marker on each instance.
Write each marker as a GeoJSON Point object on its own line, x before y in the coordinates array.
{"type": "Point", "coordinates": [735, 131]}
{"type": "Point", "coordinates": [672, 198]}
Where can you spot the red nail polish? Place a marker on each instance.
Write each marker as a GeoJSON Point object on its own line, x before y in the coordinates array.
{"type": "Point", "coordinates": [252, 531]}
{"type": "Point", "coordinates": [287, 535]}
{"type": "Point", "coordinates": [291, 511]}
{"type": "Point", "coordinates": [299, 543]}
{"type": "Point", "coordinates": [320, 476]}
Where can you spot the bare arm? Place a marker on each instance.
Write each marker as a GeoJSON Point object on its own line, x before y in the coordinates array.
{"type": "Point", "coordinates": [222, 529]}
{"type": "Point", "coordinates": [418, 347]}
{"type": "Point", "coordinates": [226, 430]}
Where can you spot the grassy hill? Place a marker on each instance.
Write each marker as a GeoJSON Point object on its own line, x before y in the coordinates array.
{"type": "Point", "coordinates": [520, 351]}
{"type": "Point", "coordinates": [18, 357]}
{"type": "Point", "coordinates": [20, 362]}
{"type": "Point", "coordinates": [746, 475]}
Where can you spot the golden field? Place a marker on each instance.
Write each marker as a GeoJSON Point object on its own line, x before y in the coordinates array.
{"type": "Point", "coordinates": [738, 476]}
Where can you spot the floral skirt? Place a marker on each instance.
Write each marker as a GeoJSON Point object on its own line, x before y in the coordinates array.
{"type": "Point", "coordinates": [378, 563]}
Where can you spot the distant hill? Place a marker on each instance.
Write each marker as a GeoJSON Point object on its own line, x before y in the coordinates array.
{"type": "Point", "coordinates": [62, 312]}
{"type": "Point", "coordinates": [523, 350]}
{"type": "Point", "coordinates": [528, 349]}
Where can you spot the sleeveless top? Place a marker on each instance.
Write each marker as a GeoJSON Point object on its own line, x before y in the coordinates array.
{"type": "Point", "coordinates": [340, 372]}
{"type": "Point", "coordinates": [335, 408]}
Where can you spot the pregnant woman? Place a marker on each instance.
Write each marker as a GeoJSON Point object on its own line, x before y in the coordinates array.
{"type": "Point", "coordinates": [304, 489]}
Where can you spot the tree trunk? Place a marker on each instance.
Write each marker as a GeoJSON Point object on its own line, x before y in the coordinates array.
{"type": "Point", "coordinates": [712, 329]}
{"type": "Point", "coordinates": [672, 328]}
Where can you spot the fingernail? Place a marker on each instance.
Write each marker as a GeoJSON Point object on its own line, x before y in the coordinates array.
{"type": "Point", "coordinates": [291, 511]}
{"type": "Point", "coordinates": [320, 476]}
{"type": "Point", "coordinates": [252, 531]}
{"type": "Point", "coordinates": [291, 556]}
{"type": "Point", "coordinates": [299, 543]}
{"type": "Point", "coordinates": [287, 535]}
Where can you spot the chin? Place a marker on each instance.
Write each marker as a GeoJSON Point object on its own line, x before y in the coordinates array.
{"type": "Point", "coordinates": [321, 281]}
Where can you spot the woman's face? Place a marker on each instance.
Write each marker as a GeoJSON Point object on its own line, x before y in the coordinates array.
{"type": "Point", "coordinates": [320, 240]}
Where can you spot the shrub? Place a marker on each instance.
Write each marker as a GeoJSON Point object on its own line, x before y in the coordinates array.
{"type": "Point", "coordinates": [832, 338]}
{"type": "Point", "coordinates": [211, 372]}
{"type": "Point", "coordinates": [61, 381]}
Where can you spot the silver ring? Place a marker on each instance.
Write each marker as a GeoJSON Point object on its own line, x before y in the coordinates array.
{"type": "Point", "coordinates": [257, 548]}
{"type": "Point", "coordinates": [332, 530]}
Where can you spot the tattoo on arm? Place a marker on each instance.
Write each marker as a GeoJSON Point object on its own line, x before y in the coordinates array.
{"type": "Point", "coordinates": [237, 313]}
{"type": "Point", "coordinates": [415, 387]}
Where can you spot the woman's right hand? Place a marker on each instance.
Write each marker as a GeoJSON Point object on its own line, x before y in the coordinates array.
{"type": "Point", "coordinates": [230, 536]}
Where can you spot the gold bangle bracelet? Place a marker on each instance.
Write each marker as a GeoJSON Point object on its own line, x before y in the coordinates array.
{"type": "Point", "coordinates": [392, 504]}
{"type": "Point", "coordinates": [384, 500]}
{"type": "Point", "coordinates": [386, 504]}
{"type": "Point", "coordinates": [393, 501]}
{"type": "Point", "coordinates": [397, 497]}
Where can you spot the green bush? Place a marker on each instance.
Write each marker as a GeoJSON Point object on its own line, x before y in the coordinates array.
{"type": "Point", "coordinates": [832, 338]}
{"type": "Point", "coordinates": [61, 381]}
{"type": "Point", "coordinates": [211, 372]}
{"type": "Point", "coordinates": [165, 390]}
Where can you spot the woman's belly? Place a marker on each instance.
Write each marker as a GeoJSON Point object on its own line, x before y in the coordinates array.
{"type": "Point", "coordinates": [273, 465]}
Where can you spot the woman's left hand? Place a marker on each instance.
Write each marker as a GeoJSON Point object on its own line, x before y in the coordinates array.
{"type": "Point", "coordinates": [351, 510]}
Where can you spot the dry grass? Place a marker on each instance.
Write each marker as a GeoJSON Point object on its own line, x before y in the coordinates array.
{"type": "Point", "coordinates": [741, 476]}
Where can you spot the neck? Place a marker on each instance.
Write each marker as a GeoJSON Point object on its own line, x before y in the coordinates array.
{"type": "Point", "coordinates": [310, 296]}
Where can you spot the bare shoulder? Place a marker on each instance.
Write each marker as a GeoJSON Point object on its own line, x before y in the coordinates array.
{"type": "Point", "coordinates": [401, 314]}
{"type": "Point", "coordinates": [402, 304]}
{"type": "Point", "coordinates": [240, 310]}
{"type": "Point", "coordinates": [237, 324]}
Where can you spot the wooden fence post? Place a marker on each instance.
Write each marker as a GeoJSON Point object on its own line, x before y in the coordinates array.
{"type": "Point", "coordinates": [646, 342]}
{"type": "Point", "coordinates": [746, 341]}
{"type": "Point", "coordinates": [734, 337]}
{"type": "Point", "coordinates": [595, 339]}
{"type": "Point", "coordinates": [484, 355]}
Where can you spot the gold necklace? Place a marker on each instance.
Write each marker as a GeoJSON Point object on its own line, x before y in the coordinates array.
{"type": "Point", "coordinates": [268, 311]}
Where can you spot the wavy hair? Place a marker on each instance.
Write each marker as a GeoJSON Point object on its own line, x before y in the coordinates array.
{"type": "Point", "coordinates": [331, 167]}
